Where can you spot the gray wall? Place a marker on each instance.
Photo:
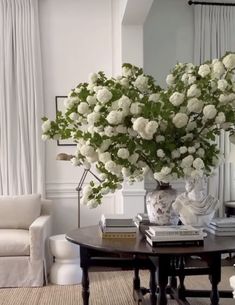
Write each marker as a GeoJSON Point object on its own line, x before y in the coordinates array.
{"type": "Point", "coordinates": [168, 37]}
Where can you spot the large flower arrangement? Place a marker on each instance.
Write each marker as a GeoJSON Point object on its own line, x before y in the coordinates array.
{"type": "Point", "coordinates": [128, 126]}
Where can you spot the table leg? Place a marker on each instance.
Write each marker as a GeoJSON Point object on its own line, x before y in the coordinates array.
{"type": "Point", "coordinates": [214, 262]}
{"type": "Point", "coordinates": [163, 279]}
{"type": "Point", "coordinates": [153, 287]}
{"type": "Point", "coordinates": [85, 278]}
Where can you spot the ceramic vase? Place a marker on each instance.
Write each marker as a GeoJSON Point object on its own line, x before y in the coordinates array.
{"type": "Point", "coordinates": [159, 205]}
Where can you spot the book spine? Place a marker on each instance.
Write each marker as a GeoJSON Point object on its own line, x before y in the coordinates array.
{"type": "Point", "coordinates": [175, 243]}
{"type": "Point", "coordinates": [117, 235]}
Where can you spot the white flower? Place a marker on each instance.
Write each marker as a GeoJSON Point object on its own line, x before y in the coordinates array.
{"type": "Point", "coordinates": [209, 112]}
{"type": "Point", "coordinates": [104, 95]}
{"type": "Point", "coordinates": [46, 125]}
{"type": "Point", "coordinates": [45, 137]}
{"type": "Point", "coordinates": [187, 171]}
{"type": "Point", "coordinates": [69, 102]}
{"type": "Point", "coordinates": [93, 117]}
{"type": "Point", "coordinates": [105, 145]}
{"type": "Point", "coordinates": [87, 150]}
{"type": "Point", "coordinates": [141, 83]}
{"type": "Point", "coordinates": [176, 98]}
{"type": "Point", "coordinates": [204, 70]}
{"type": "Point", "coordinates": [191, 126]}
{"type": "Point", "coordinates": [170, 79]}
{"type": "Point", "coordinates": [160, 138]}
{"type": "Point", "coordinates": [83, 108]}
{"type": "Point", "coordinates": [126, 71]}
{"type": "Point", "coordinates": [124, 101]}
{"type": "Point", "coordinates": [86, 164]}
{"type": "Point", "coordinates": [139, 124]}
{"type": "Point", "coordinates": [218, 68]}
{"type": "Point", "coordinates": [184, 78]}
{"type": "Point", "coordinates": [124, 82]}
{"type": "Point", "coordinates": [135, 108]}
{"type": "Point", "coordinates": [105, 157]}
{"type": "Point", "coordinates": [93, 78]}
{"type": "Point", "coordinates": [133, 158]}
{"type": "Point", "coordinates": [154, 97]}
{"type": "Point", "coordinates": [91, 100]}
{"type": "Point", "coordinates": [191, 150]}
{"type": "Point", "coordinates": [201, 152]}
{"type": "Point", "coordinates": [191, 79]}
{"type": "Point", "coordinates": [123, 153]}
{"type": "Point", "coordinates": [121, 129]}
{"type": "Point", "coordinates": [198, 163]}
{"type": "Point", "coordinates": [194, 105]}
{"type": "Point", "coordinates": [187, 161]}
{"type": "Point", "coordinates": [195, 174]}
{"type": "Point", "coordinates": [160, 153]}
{"type": "Point", "coordinates": [180, 120]}
{"type": "Point", "coordinates": [114, 117]}
{"type": "Point", "coordinates": [222, 84]}
{"type": "Point", "coordinates": [74, 116]}
{"type": "Point", "coordinates": [220, 118]}
{"type": "Point", "coordinates": [193, 91]}
{"type": "Point", "coordinates": [151, 127]}
{"type": "Point", "coordinates": [175, 154]}
{"type": "Point", "coordinates": [92, 204]}
{"type": "Point", "coordinates": [110, 166]}
{"type": "Point", "coordinates": [109, 131]}
{"type": "Point", "coordinates": [229, 61]}
{"type": "Point", "coordinates": [183, 149]}
{"type": "Point", "coordinates": [165, 170]}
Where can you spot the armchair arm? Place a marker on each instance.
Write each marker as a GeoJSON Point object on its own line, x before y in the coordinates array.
{"type": "Point", "coordinates": [39, 231]}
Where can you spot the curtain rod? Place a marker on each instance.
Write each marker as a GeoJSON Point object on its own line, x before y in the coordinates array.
{"type": "Point", "coordinates": [210, 3]}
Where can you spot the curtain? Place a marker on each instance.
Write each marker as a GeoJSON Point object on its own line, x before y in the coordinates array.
{"type": "Point", "coordinates": [214, 28]}
{"type": "Point", "coordinates": [21, 99]}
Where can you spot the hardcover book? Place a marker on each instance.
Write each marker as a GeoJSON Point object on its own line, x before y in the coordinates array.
{"type": "Point", "coordinates": [116, 220]}
{"type": "Point", "coordinates": [223, 222]}
{"type": "Point", "coordinates": [163, 238]}
{"type": "Point", "coordinates": [174, 230]}
{"type": "Point", "coordinates": [219, 232]}
{"type": "Point", "coordinates": [175, 242]}
{"type": "Point", "coordinates": [120, 235]}
{"type": "Point", "coordinates": [118, 229]}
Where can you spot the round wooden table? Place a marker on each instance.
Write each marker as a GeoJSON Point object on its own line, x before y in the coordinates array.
{"type": "Point", "coordinates": [138, 254]}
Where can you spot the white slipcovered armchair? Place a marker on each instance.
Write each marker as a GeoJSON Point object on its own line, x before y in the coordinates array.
{"type": "Point", "coordinates": [25, 225]}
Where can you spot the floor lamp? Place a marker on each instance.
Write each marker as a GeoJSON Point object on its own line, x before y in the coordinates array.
{"type": "Point", "coordinates": [66, 157]}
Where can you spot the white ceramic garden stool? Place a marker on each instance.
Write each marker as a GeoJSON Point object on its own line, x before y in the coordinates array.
{"type": "Point", "coordinates": [66, 267]}
{"type": "Point", "coordinates": [232, 284]}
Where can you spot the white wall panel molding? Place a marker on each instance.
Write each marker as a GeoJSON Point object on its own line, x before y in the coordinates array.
{"type": "Point", "coordinates": [61, 190]}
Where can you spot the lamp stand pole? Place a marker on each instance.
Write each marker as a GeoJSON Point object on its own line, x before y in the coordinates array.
{"type": "Point", "coordinates": [79, 188]}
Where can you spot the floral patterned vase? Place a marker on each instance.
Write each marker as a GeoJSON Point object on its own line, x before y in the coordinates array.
{"type": "Point", "coordinates": [159, 205]}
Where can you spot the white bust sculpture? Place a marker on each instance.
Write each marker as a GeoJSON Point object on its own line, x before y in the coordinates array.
{"type": "Point", "coordinates": [194, 206]}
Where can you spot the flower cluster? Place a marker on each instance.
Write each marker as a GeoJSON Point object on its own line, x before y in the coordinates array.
{"type": "Point", "coordinates": [128, 126]}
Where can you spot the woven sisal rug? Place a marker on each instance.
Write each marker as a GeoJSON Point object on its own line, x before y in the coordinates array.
{"type": "Point", "coordinates": [106, 288]}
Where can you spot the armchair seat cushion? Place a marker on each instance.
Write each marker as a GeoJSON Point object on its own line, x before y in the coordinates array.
{"type": "Point", "coordinates": [14, 242]}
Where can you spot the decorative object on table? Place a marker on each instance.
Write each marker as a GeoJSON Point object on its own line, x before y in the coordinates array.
{"type": "Point", "coordinates": [174, 235]}
{"type": "Point", "coordinates": [117, 226]}
{"type": "Point", "coordinates": [224, 226]}
{"type": "Point", "coordinates": [159, 205]}
{"type": "Point", "coordinates": [194, 206]}
{"type": "Point", "coordinates": [128, 126]}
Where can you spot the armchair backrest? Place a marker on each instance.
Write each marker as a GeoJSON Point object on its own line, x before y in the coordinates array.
{"type": "Point", "coordinates": [19, 212]}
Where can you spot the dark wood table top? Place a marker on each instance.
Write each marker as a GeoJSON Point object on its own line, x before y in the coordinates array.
{"type": "Point", "coordinates": [90, 237]}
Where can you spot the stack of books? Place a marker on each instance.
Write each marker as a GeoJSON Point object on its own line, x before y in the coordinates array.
{"type": "Point", "coordinates": [117, 226]}
{"type": "Point", "coordinates": [222, 226]}
{"type": "Point", "coordinates": [174, 235]}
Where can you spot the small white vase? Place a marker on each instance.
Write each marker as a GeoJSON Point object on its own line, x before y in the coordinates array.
{"type": "Point", "coordinates": [159, 205]}
{"type": "Point", "coordinates": [194, 206]}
